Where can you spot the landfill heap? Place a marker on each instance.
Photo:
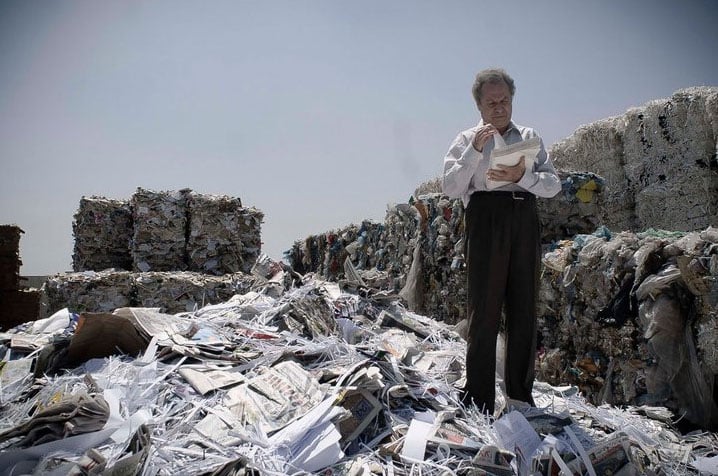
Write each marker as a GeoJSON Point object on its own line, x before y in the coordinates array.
{"type": "Point", "coordinates": [178, 230]}
{"type": "Point", "coordinates": [298, 375]}
{"type": "Point", "coordinates": [18, 304]}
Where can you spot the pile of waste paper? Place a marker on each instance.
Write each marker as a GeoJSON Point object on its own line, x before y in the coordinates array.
{"type": "Point", "coordinates": [297, 375]}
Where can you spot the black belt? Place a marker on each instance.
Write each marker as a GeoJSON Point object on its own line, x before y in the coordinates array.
{"type": "Point", "coordinates": [507, 194]}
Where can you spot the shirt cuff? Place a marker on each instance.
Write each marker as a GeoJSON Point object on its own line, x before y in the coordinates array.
{"type": "Point", "coordinates": [528, 180]}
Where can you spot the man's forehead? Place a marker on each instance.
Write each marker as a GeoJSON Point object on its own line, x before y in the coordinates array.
{"type": "Point", "coordinates": [496, 93]}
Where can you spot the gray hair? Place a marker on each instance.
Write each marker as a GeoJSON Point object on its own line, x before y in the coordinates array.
{"type": "Point", "coordinates": [491, 76]}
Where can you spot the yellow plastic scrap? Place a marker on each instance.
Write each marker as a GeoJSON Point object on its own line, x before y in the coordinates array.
{"type": "Point", "coordinates": [586, 191]}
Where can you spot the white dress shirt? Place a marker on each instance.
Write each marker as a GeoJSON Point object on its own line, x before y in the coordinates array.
{"type": "Point", "coordinates": [465, 167]}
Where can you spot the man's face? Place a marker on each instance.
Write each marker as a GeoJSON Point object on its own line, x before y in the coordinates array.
{"type": "Point", "coordinates": [495, 105]}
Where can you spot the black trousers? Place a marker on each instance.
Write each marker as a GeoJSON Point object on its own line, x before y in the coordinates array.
{"type": "Point", "coordinates": [503, 252]}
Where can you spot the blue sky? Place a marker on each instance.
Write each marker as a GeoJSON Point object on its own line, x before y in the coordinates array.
{"type": "Point", "coordinates": [319, 113]}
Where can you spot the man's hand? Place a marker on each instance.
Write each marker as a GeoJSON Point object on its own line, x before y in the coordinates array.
{"type": "Point", "coordinates": [508, 173]}
{"type": "Point", "coordinates": [482, 136]}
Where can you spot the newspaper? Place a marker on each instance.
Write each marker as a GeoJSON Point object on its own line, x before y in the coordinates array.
{"type": "Point", "coordinates": [607, 457]}
{"type": "Point", "coordinates": [453, 435]}
{"type": "Point", "coordinates": [275, 397]}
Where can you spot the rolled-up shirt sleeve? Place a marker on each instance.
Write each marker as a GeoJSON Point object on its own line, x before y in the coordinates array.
{"type": "Point", "coordinates": [460, 165]}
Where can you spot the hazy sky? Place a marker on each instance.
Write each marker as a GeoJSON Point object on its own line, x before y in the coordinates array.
{"type": "Point", "coordinates": [319, 113]}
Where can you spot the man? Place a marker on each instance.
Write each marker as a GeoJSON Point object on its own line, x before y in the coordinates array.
{"type": "Point", "coordinates": [502, 241]}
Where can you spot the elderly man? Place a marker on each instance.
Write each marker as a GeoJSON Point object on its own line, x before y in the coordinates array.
{"type": "Point", "coordinates": [502, 241]}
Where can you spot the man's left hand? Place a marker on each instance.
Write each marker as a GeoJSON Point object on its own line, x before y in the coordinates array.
{"type": "Point", "coordinates": [508, 173]}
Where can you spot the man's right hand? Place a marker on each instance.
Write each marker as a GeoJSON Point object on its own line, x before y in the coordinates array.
{"type": "Point", "coordinates": [482, 136]}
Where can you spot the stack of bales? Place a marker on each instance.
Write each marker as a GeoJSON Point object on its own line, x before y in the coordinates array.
{"type": "Point", "coordinates": [88, 291]}
{"type": "Point", "coordinates": [176, 250]}
{"type": "Point", "coordinates": [658, 160]}
{"type": "Point", "coordinates": [10, 257]}
{"type": "Point", "coordinates": [18, 305]}
{"type": "Point", "coordinates": [167, 231]}
{"type": "Point", "coordinates": [442, 287]}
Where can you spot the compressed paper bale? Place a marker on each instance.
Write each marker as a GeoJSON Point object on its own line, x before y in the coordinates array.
{"type": "Point", "coordinates": [699, 271]}
{"type": "Point", "coordinates": [598, 148]}
{"type": "Point", "coordinates": [214, 243]}
{"type": "Point", "coordinates": [160, 228]}
{"type": "Point", "coordinates": [571, 301]}
{"type": "Point", "coordinates": [670, 162]}
{"type": "Point", "coordinates": [681, 204]}
{"type": "Point", "coordinates": [10, 257]}
{"type": "Point", "coordinates": [675, 127]}
{"type": "Point", "coordinates": [172, 292]}
{"type": "Point", "coordinates": [250, 228]}
{"type": "Point", "coordinates": [102, 228]}
{"type": "Point", "coordinates": [676, 366]}
{"type": "Point", "coordinates": [9, 273]}
{"type": "Point", "coordinates": [401, 226]}
{"type": "Point", "coordinates": [324, 254]}
{"type": "Point", "coordinates": [87, 291]}
{"type": "Point", "coordinates": [10, 240]}
{"type": "Point", "coordinates": [706, 340]}
{"type": "Point", "coordinates": [666, 146]}
{"type": "Point", "coordinates": [183, 291]}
